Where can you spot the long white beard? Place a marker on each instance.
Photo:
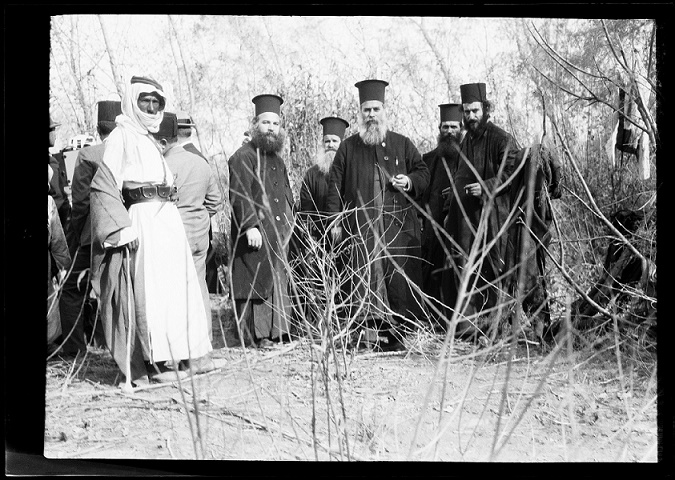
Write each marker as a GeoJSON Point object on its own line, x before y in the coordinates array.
{"type": "Point", "coordinates": [324, 160]}
{"type": "Point", "coordinates": [374, 133]}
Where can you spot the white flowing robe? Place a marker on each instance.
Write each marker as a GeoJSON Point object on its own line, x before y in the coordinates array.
{"type": "Point", "coordinates": [178, 327]}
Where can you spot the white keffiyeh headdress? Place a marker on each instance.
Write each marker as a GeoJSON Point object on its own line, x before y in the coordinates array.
{"type": "Point", "coordinates": [132, 124]}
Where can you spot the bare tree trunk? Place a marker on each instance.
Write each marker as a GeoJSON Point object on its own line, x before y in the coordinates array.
{"type": "Point", "coordinates": [185, 72]}
{"type": "Point", "coordinates": [633, 90]}
{"type": "Point", "coordinates": [116, 78]}
{"type": "Point", "coordinates": [72, 51]}
{"type": "Point", "coordinates": [439, 59]}
{"type": "Point", "coordinates": [182, 61]}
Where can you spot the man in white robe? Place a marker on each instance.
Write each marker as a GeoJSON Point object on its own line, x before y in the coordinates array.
{"type": "Point", "coordinates": [165, 310]}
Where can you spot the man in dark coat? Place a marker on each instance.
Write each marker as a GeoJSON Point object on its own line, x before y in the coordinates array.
{"type": "Point", "coordinates": [486, 162]}
{"type": "Point", "coordinates": [77, 314]}
{"type": "Point", "coordinates": [262, 221]}
{"type": "Point", "coordinates": [310, 237]}
{"type": "Point", "coordinates": [442, 162]}
{"type": "Point", "coordinates": [314, 189]}
{"type": "Point", "coordinates": [376, 176]}
{"type": "Point", "coordinates": [541, 171]}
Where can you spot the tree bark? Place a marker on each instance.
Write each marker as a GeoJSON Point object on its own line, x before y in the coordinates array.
{"type": "Point", "coordinates": [111, 55]}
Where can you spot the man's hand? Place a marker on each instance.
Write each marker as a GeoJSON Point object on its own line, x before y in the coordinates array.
{"type": "Point", "coordinates": [254, 238]}
{"type": "Point", "coordinates": [401, 182]}
{"type": "Point", "coordinates": [473, 189]}
{"type": "Point", "coordinates": [336, 232]}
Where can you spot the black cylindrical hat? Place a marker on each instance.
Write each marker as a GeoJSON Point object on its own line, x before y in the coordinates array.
{"type": "Point", "coordinates": [108, 110]}
{"type": "Point", "coordinates": [451, 112]}
{"type": "Point", "coordinates": [334, 126]}
{"type": "Point", "coordinates": [473, 92]}
{"type": "Point", "coordinates": [169, 126]}
{"type": "Point", "coordinates": [371, 90]}
{"type": "Point", "coordinates": [267, 103]}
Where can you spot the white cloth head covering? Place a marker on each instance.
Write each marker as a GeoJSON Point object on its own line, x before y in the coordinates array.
{"type": "Point", "coordinates": [132, 126]}
{"type": "Point", "coordinates": [135, 118]}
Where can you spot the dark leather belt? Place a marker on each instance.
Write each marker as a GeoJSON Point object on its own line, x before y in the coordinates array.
{"type": "Point", "coordinates": [148, 193]}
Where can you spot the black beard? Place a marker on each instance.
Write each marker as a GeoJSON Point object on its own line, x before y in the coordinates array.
{"type": "Point", "coordinates": [446, 145]}
{"type": "Point", "coordinates": [269, 142]}
{"type": "Point", "coordinates": [446, 138]}
{"type": "Point", "coordinates": [476, 125]}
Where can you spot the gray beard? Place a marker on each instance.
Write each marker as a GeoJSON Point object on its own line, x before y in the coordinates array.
{"type": "Point", "coordinates": [325, 161]}
{"type": "Point", "coordinates": [373, 134]}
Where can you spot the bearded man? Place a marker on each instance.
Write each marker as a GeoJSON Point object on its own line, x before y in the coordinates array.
{"type": "Point", "coordinates": [315, 183]}
{"type": "Point", "coordinates": [310, 239]}
{"type": "Point", "coordinates": [262, 222]}
{"type": "Point", "coordinates": [442, 162]}
{"type": "Point", "coordinates": [151, 303]}
{"type": "Point", "coordinates": [486, 164]}
{"type": "Point", "coordinates": [376, 176]}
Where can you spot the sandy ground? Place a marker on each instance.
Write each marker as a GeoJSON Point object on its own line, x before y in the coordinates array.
{"type": "Point", "coordinates": [288, 403]}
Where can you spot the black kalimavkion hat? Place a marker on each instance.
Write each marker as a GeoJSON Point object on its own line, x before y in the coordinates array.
{"type": "Point", "coordinates": [473, 92]}
{"type": "Point", "coordinates": [451, 112]}
{"type": "Point", "coordinates": [169, 126]}
{"type": "Point", "coordinates": [108, 110]}
{"type": "Point", "coordinates": [334, 126]}
{"type": "Point", "coordinates": [371, 90]}
{"type": "Point", "coordinates": [267, 103]}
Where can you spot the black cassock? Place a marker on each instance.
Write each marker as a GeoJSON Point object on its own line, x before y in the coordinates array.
{"type": "Point", "coordinates": [488, 154]}
{"type": "Point", "coordinates": [442, 164]}
{"type": "Point", "coordinates": [384, 229]}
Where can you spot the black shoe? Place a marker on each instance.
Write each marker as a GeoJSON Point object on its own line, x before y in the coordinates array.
{"type": "Point", "coordinates": [392, 343]}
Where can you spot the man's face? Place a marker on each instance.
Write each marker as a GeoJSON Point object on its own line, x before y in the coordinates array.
{"type": "Point", "coordinates": [331, 143]}
{"type": "Point", "coordinates": [149, 103]}
{"type": "Point", "coordinates": [450, 128]}
{"type": "Point", "coordinates": [372, 111]}
{"type": "Point", "coordinates": [269, 122]}
{"type": "Point", "coordinates": [473, 115]}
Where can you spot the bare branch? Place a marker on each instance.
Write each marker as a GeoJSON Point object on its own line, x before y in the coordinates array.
{"type": "Point", "coordinates": [596, 210]}
{"type": "Point", "coordinates": [634, 93]}
{"type": "Point", "coordinates": [439, 58]}
{"type": "Point", "coordinates": [117, 79]}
